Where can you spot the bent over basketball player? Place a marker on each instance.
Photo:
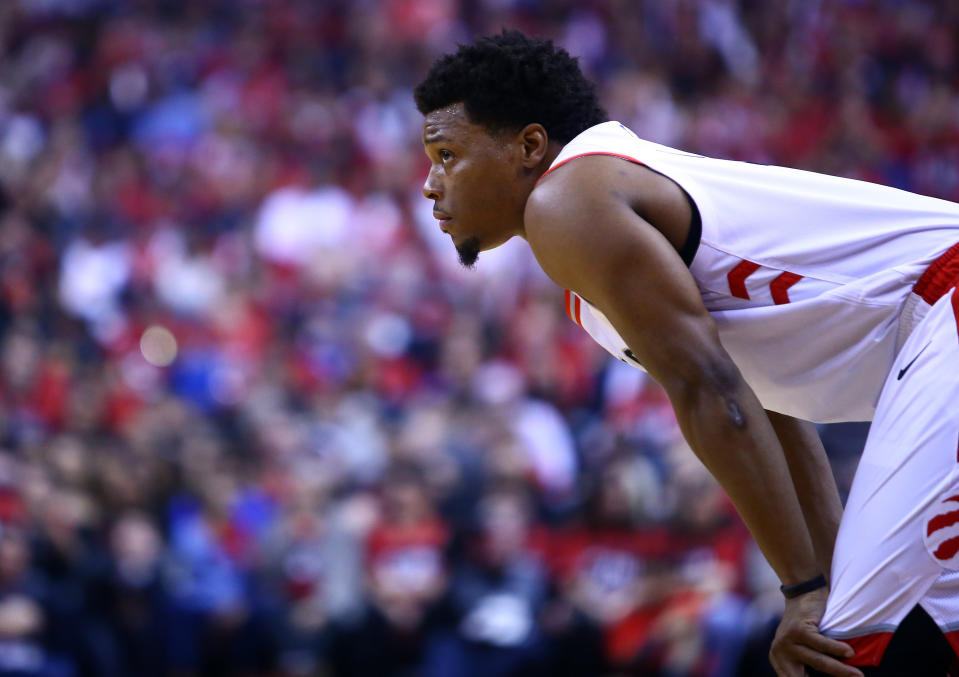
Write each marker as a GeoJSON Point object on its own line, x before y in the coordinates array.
{"type": "Point", "coordinates": [762, 299]}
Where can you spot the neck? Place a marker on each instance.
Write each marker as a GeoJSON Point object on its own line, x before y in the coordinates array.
{"type": "Point", "coordinates": [552, 150]}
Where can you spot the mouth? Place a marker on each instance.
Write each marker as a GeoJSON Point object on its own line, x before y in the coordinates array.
{"type": "Point", "coordinates": [444, 219]}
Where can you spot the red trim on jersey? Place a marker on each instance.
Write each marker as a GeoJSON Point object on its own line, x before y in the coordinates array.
{"type": "Point", "coordinates": [869, 648]}
{"type": "Point", "coordinates": [953, 638]}
{"type": "Point", "coordinates": [737, 278]}
{"type": "Point", "coordinates": [570, 159]}
{"type": "Point", "coordinates": [955, 307]}
{"type": "Point", "coordinates": [781, 285]}
{"type": "Point", "coordinates": [939, 277]}
{"type": "Point", "coordinates": [573, 307]}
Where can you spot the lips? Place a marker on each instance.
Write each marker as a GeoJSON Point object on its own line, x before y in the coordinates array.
{"type": "Point", "coordinates": [442, 218]}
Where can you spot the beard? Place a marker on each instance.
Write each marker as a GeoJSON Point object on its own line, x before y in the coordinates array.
{"type": "Point", "coordinates": [468, 251]}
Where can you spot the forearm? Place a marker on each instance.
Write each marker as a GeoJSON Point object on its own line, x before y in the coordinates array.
{"type": "Point", "coordinates": [730, 432]}
{"type": "Point", "coordinates": [815, 485]}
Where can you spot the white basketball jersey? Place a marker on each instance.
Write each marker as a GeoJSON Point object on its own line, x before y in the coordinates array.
{"type": "Point", "coordinates": [806, 275]}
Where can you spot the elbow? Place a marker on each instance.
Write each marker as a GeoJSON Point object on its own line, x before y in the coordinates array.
{"type": "Point", "coordinates": [715, 384]}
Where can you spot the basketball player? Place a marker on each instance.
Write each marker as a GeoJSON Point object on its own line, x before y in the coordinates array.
{"type": "Point", "coordinates": [762, 299]}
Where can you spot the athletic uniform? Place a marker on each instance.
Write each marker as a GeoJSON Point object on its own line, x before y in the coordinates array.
{"type": "Point", "coordinates": [837, 301]}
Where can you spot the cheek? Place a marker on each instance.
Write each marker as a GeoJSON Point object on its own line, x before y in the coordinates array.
{"type": "Point", "coordinates": [482, 192]}
{"type": "Point", "coordinates": [488, 191]}
{"type": "Point", "coordinates": [470, 197]}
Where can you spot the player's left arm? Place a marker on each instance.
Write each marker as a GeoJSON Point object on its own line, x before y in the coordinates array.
{"type": "Point", "coordinates": [815, 485]}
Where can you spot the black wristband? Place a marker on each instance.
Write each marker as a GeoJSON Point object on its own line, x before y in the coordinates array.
{"type": "Point", "coordinates": [797, 589]}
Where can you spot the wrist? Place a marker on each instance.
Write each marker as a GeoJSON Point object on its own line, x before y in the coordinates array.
{"type": "Point", "coordinates": [796, 589]}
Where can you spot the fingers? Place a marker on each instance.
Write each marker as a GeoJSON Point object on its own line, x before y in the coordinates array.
{"type": "Point", "coordinates": [825, 645]}
{"type": "Point", "coordinates": [799, 643]}
{"type": "Point", "coordinates": [823, 663]}
{"type": "Point", "coordinates": [789, 656]}
{"type": "Point", "coordinates": [786, 668]}
{"type": "Point", "coordinates": [820, 662]}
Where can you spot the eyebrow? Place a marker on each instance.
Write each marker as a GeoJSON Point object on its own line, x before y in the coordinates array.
{"type": "Point", "coordinates": [434, 138]}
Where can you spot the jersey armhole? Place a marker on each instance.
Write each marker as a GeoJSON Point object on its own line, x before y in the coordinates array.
{"type": "Point", "coordinates": [691, 245]}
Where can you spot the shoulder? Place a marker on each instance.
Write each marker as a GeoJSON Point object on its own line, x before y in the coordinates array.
{"type": "Point", "coordinates": [593, 195]}
{"type": "Point", "coordinates": [596, 194]}
{"type": "Point", "coordinates": [600, 179]}
{"type": "Point", "coordinates": [563, 209]}
{"type": "Point", "coordinates": [570, 190]}
{"type": "Point", "coordinates": [585, 220]}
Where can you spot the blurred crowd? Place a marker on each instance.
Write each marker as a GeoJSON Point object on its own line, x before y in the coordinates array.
{"type": "Point", "coordinates": [255, 420]}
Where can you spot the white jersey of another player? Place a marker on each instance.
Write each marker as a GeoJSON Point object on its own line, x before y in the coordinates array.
{"type": "Point", "coordinates": [809, 277]}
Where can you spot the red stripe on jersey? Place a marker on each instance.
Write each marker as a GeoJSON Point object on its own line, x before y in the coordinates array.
{"type": "Point", "coordinates": [573, 307]}
{"type": "Point", "coordinates": [942, 521]}
{"type": "Point", "coordinates": [869, 648]}
{"type": "Point", "coordinates": [781, 285]}
{"type": "Point", "coordinates": [570, 159]}
{"type": "Point", "coordinates": [939, 277]}
{"type": "Point", "coordinates": [737, 278]}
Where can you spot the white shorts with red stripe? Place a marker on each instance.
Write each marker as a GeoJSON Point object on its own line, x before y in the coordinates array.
{"type": "Point", "coordinates": [898, 543]}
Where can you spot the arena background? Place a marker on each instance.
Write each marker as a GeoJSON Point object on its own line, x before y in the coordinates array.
{"type": "Point", "coordinates": [254, 420]}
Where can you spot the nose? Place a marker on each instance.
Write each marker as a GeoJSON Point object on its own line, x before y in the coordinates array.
{"type": "Point", "coordinates": [431, 188]}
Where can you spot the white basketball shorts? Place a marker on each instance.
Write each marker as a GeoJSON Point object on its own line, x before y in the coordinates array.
{"type": "Point", "coordinates": [898, 542]}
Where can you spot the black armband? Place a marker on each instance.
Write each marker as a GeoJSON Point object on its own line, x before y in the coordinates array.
{"type": "Point", "coordinates": [797, 589]}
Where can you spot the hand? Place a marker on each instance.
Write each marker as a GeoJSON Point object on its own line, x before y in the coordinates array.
{"type": "Point", "coordinates": [798, 642]}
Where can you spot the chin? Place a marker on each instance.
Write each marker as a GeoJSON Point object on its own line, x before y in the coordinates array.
{"type": "Point", "coordinates": [469, 250]}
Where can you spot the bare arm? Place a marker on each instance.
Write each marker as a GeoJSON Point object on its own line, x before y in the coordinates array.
{"type": "Point", "coordinates": [583, 224]}
{"type": "Point", "coordinates": [815, 485]}
{"type": "Point", "coordinates": [588, 238]}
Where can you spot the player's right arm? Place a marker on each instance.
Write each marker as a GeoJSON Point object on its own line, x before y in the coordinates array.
{"type": "Point", "coordinates": [583, 225]}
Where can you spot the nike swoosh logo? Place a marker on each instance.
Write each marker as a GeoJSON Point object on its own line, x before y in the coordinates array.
{"type": "Point", "coordinates": [902, 372]}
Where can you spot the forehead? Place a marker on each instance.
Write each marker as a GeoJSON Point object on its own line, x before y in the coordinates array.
{"type": "Point", "coordinates": [451, 123]}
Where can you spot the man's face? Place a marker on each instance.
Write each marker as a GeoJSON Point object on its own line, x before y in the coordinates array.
{"type": "Point", "coordinates": [473, 181]}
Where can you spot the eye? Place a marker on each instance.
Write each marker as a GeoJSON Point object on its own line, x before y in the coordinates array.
{"type": "Point", "coordinates": [445, 155]}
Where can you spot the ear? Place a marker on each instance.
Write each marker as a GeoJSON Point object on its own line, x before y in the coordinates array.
{"type": "Point", "coordinates": [534, 141]}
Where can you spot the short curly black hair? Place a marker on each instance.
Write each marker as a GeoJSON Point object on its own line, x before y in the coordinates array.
{"type": "Point", "coordinates": [509, 80]}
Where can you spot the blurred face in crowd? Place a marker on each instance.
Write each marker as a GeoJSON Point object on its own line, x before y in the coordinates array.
{"type": "Point", "coordinates": [14, 555]}
{"type": "Point", "coordinates": [700, 505]}
{"type": "Point", "coordinates": [479, 179]}
{"type": "Point", "coordinates": [407, 502]}
{"type": "Point", "coordinates": [505, 519]}
{"type": "Point", "coordinates": [613, 503]}
{"type": "Point", "coordinates": [137, 547]}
